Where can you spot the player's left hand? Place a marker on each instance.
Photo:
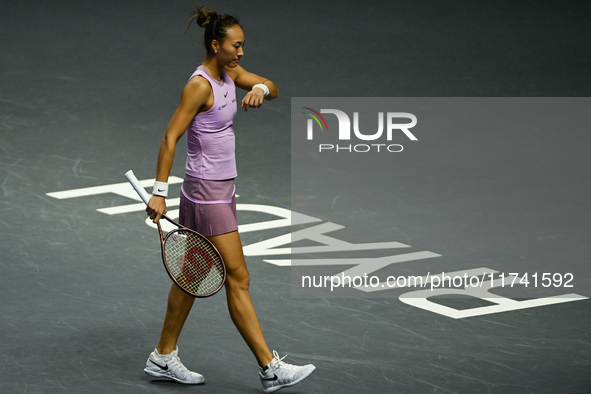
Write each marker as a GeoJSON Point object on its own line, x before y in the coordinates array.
{"type": "Point", "coordinates": [253, 99]}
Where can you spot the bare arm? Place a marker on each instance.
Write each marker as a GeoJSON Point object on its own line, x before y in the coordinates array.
{"type": "Point", "coordinates": [194, 97]}
{"type": "Point", "coordinates": [246, 80]}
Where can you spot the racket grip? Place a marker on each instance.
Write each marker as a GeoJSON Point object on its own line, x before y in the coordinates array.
{"type": "Point", "coordinates": [137, 186]}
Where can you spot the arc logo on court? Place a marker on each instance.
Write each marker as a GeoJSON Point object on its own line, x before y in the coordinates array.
{"type": "Point", "coordinates": [389, 124]}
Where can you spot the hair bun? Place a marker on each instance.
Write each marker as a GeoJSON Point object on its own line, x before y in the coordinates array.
{"type": "Point", "coordinates": [216, 26]}
{"type": "Point", "coordinates": [203, 16]}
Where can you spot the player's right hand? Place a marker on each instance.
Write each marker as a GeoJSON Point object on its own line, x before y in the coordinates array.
{"type": "Point", "coordinates": [156, 208]}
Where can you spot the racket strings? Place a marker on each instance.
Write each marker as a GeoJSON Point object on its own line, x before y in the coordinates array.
{"type": "Point", "coordinates": [193, 262]}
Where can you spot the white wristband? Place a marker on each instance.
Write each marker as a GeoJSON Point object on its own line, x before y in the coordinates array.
{"type": "Point", "coordinates": [160, 189]}
{"type": "Point", "coordinates": [262, 86]}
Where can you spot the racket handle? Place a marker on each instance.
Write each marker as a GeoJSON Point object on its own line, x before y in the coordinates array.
{"type": "Point", "coordinates": [137, 186]}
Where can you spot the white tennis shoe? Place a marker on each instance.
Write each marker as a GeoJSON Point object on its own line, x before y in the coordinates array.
{"type": "Point", "coordinates": [170, 366]}
{"type": "Point", "coordinates": [279, 374]}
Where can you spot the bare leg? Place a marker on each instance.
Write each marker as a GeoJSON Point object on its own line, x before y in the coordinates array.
{"type": "Point", "coordinates": [178, 308]}
{"type": "Point", "coordinates": [239, 303]}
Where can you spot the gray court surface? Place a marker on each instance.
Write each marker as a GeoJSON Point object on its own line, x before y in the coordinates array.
{"type": "Point", "coordinates": [87, 91]}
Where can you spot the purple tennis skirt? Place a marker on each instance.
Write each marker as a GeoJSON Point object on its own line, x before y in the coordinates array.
{"type": "Point", "coordinates": [208, 207]}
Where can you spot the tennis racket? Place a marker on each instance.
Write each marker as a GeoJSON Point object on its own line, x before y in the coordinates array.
{"type": "Point", "coordinates": [190, 259]}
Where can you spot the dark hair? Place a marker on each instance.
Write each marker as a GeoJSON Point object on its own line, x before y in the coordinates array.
{"type": "Point", "coordinates": [216, 26]}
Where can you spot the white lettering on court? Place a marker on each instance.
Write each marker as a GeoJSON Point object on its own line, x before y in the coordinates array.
{"type": "Point", "coordinates": [317, 233]}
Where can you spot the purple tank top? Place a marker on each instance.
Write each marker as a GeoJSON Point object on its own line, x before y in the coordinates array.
{"type": "Point", "coordinates": [210, 136]}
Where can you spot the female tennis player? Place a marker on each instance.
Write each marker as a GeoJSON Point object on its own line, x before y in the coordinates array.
{"type": "Point", "coordinates": [206, 111]}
